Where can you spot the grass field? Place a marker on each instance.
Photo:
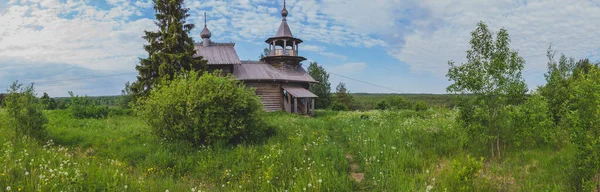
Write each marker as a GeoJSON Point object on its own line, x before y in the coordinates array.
{"type": "Point", "coordinates": [386, 150]}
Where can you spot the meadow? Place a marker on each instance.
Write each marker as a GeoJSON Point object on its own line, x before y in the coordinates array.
{"type": "Point", "coordinates": [334, 151]}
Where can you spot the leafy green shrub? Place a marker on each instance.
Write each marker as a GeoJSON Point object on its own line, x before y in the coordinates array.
{"type": "Point", "coordinates": [336, 106]}
{"type": "Point", "coordinates": [25, 113]}
{"type": "Point", "coordinates": [532, 124]}
{"type": "Point", "coordinates": [584, 122]}
{"type": "Point", "coordinates": [205, 109]}
{"type": "Point", "coordinates": [119, 111]}
{"type": "Point", "coordinates": [421, 106]}
{"type": "Point", "coordinates": [47, 102]}
{"type": "Point", "coordinates": [382, 105]}
{"type": "Point", "coordinates": [397, 103]}
{"type": "Point", "coordinates": [2, 96]}
{"type": "Point", "coordinates": [82, 107]}
{"type": "Point", "coordinates": [463, 174]}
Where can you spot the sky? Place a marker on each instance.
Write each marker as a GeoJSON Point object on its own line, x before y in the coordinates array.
{"type": "Point", "coordinates": [91, 47]}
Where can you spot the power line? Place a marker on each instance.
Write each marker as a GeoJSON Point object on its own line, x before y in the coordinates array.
{"type": "Point", "coordinates": [75, 79]}
{"type": "Point", "coordinates": [365, 82]}
{"type": "Point", "coordinates": [86, 78]}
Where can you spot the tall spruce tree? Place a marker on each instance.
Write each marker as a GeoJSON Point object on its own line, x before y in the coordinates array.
{"type": "Point", "coordinates": [321, 89]}
{"type": "Point", "coordinates": [170, 49]}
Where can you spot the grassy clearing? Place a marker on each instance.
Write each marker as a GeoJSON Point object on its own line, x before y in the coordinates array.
{"type": "Point", "coordinates": [396, 151]}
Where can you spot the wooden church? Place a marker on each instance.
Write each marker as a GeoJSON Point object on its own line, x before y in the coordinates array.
{"type": "Point", "coordinates": [279, 79]}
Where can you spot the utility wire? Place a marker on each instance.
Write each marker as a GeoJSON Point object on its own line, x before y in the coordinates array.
{"type": "Point", "coordinates": [86, 78]}
{"type": "Point", "coordinates": [82, 78]}
{"type": "Point", "coordinates": [369, 83]}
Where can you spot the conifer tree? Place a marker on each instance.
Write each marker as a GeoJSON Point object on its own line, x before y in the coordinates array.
{"type": "Point", "coordinates": [343, 100]}
{"type": "Point", "coordinates": [170, 49]}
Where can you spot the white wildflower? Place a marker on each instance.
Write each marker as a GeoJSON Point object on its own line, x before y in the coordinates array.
{"type": "Point", "coordinates": [26, 173]}
{"type": "Point", "coordinates": [8, 188]}
{"type": "Point", "coordinates": [320, 180]}
{"type": "Point", "coordinates": [309, 185]}
{"type": "Point", "coordinates": [126, 186]}
{"type": "Point", "coordinates": [429, 188]}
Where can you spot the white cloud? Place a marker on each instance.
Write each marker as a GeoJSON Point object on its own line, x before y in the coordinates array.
{"type": "Point", "coordinates": [38, 32]}
{"type": "Point", "coordinates": [251, 21]}
{"type": "Point", "coordinates": [321, 51]}
{"type": "Point", "coordinates": [569, 25]}
{"type": "Point", "coordinates": [348, 68]}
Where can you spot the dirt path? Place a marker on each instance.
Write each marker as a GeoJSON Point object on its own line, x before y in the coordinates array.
{"type": "Point", "coordinates": [354, 170]}
{"type": "Point", "coordinates": [354, 174]}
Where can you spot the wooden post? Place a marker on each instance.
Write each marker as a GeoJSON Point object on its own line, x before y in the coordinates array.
{"type": "Point", "coordinates": [313, 107]}
{"type": "Point", "coordinates": [284, 46]}
{"type": "Point", "coordinates": [306, 106]}
{"type": "Point", "coordinates": [295, 105]}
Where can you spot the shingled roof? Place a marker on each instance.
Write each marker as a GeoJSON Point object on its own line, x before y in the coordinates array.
{"type": "Point", "coordinates": [218, 53]}
{"type": "Point", "coordinates": [257, 70]}
{"type": "Point", "coordinates": [284, 30]}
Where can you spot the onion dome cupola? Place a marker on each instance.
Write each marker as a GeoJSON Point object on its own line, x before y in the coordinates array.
{"type": "Point", "coordinates": [206, 34]}
{"type": "Point", "coordinates": [283, 44]}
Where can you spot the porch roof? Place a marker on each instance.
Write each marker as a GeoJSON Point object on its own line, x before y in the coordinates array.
{"type": "Point", "coordinates": [298, 91]}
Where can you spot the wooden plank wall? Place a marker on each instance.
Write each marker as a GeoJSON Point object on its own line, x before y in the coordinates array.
{"type": "Point", "coordinates": [270, 95]}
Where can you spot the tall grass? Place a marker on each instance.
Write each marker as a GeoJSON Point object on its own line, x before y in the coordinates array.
{"type": "Point", "coordinates": [396, 151]}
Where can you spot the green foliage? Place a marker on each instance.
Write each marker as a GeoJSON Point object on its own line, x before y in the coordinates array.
{"type": "Point", "coordinates": [382, 105]}
{"type": "Point", "coordinates": [493, 74]}
{"type": "Point", "coordinates": [584, 122]}
{"type": "Point", "coordinates": [321, 89]}
{"type": "Point", "coordinates": [397, 103]}
{"type": "Point", "coordinates": [25, 113]}
{"type": "Point", "coordinates": [127, 96]}
{"type": "Point", "coordinates": [48, 103]}
{"type": "Point", "coordinates": [170, 49]}
{"type": "Point", "coordinates": [421, 106]}
{"type": "Point", "coordinates": [369, 101]}
{"type": "Point", "coordinates": [339, 107]}
{"type": "Point", "coordinates": [463, 174]}
{"type": "Point", "coordinates": [343, 100]}
{"type": "Point", "coordinates": [83, 107]}
{"type": "Point", "coordinates": [558, 85]}
{"type": "Point", "coordinates": [532, 125]}
{"type": "Point", "coordinates": [2, 96]}
{"type": "Point", "coordinates": [396, 150]}
{"type": "Point", "coordinates": [204, 109]}
{"type": "Point", "coordinates": [264, 54]}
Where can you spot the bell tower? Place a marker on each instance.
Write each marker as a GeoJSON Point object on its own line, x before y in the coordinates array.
{"type": "Point", "coordinates": [283, 47]}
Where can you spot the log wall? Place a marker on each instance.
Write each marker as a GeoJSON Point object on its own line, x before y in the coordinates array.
{"type": "Point", "coordinates": [270, 95]}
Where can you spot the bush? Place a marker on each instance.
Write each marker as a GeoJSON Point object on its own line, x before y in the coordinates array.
{"type": "Point", "coordinates": [532, 124]}
{"type": "Point", "coordinates": [463, 175]}
{"type": "Point", "coordinates": [47, 102]}
{"type": "Point", "coordinates": [336, 106]}
{"type": "Point", "coordinates": [83, 107]}
{"type": "Point", "coordinates": [205, 109]}
{"type": "Point", "coordinates": [25, 113]}
{"type": "Point", "coordinates": [584, 124]}
{"type": "Point", "coordinates": [421, 106]}
{"type": "Point", "coordinates": [399, 103]}
{"type": "Point", "coordinates": [2, 96]}
{"type": "Point", "coordinates": [382, 105]}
